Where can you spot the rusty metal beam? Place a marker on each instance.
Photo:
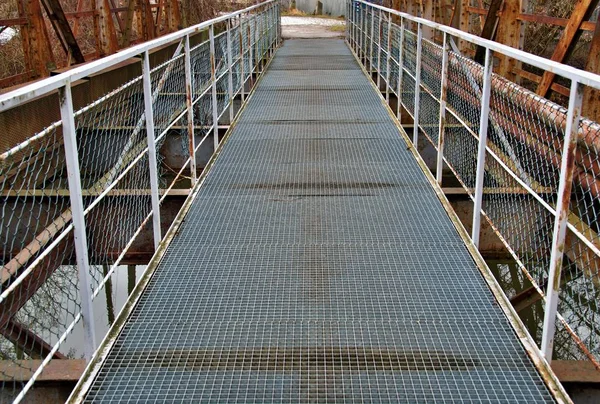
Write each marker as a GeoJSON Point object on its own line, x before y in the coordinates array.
{"type": "Point", "coordinates": [157, 23]}
{"type": "Point", "coordinates": [106, 37]}
{"type": "Point", "coordinates": [41, 58]}
{"type": "Point", "coordinates": [9, 22]}
{"type": "Point", "coordinates": [582, 11]}
{"type": "Point", "coordinates": [145, 20]}
{"type": "Point", "coordinates": [489, 28]}
{"type": "Point", "coordinates": [576, 371]}
{"type": "Point", "coordinates": [26, 289]}
{"type": "Point", "coordinates": [27, 341]}
{"type": "Point", "coordinates": [126, 37]}
{"type": "Point", "coordinates": [76, 23]}
{"type": "Point", "coordinates": [591, 97]}
{"type": "Point", "coordinates": [63, 30]}
{"type": "Point", "coordinates": [509, 32]}
{"type": "Point", "coordinates": [116, 11]}
{"type": "Point", "coordinates": [173, 15]}
{"type": "Point", "coordinates": [64, 370]}
{"type": "Point", "coordinates": [561, 22]}
{"type": "Point", "coordinates": [463, 23]}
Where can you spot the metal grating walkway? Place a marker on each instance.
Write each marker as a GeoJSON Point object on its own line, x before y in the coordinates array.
{"type": "Point", "coordinates": [317, 265]}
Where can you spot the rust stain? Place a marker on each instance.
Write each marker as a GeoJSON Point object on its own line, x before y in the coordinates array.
{"type": "Point", "coordinates": [322, 185]}
{"type": "Point", "coordinates": [317, 359]}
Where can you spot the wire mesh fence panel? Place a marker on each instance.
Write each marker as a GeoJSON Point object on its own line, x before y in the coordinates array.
{"type": "Point", "coordinates": [39, 298]}
{"type": "Point", "coordinates": [465, 84]}
{"type": "Point", "coordinates": [384, 43]}
{"type": "Point", "coordinates": [201, 69]}
{"type": "Point", "coordinates": [525, 132]}
{"type": "Point", "coordinates": [39, 292]}
{"type": "Point", "coordinates": [168, 92]}
{"type": "Point", "coordinates": [111, 133]}
{"type": "Point", "coordinates": [376, 42]}
{"type": "Point", "coordinates": [409, 57]}
{"type": "Point", "coordinates": [580, 279]}
{"type": "Point", "coordinates": [395, 37]}
{"type": "Point", "coordinates": [431, 68]}
{"type": "Point", "coordinates": [460, 152]}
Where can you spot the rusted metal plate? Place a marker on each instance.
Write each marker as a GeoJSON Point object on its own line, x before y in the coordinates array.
{"type": "Point", "coordinates": [58, 370]}
{"type": "Point", "coordinates": [576, 371]}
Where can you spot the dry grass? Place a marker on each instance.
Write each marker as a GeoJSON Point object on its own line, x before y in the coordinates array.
{"type": "Point", "coordinates": [294, 12]}
{"type": "Point", "coordinates": [338, 28]}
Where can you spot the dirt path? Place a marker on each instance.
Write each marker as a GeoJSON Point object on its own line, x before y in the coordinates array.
{"type": "Point", "coordinates": [311, 27]}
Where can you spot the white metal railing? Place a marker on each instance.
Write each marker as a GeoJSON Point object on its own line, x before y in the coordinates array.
{"type": "Point", "coordinates": [77, 193]}
{"type": "Point", "coordinates": [505, 146]}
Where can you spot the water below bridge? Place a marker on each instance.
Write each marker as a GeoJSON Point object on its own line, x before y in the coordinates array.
{"type": "Point", "coordinates": [316, 264]}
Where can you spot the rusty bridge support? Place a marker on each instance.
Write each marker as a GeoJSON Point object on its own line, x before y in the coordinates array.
{"type": "Point", "coordinates": [36, 41]}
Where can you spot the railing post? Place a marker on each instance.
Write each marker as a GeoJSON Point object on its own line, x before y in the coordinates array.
{"type": "Point", "coordinates": [278, 23]}
{"type": "Point", "coordinates": [79, 229]}
{"type": "Point", "coordinates": [372, 34]}
{"type": "Point", "coordinates": [257, 43]}
{"type": "Point", "coordinates": [272, 29]}
{"type": "Point", "coordinates": [230, 72]}
{"type": "Point", "coordinates": [213, 70]}
{"type": "Point", "coordinates": [483, 129]}
{"type": "Point", "coordinates": [351, 18]}
{"type": "Point", "coordinates": [400, 69]}
{"type": "Point", "coordinates": [268, 32]}
{"type": "Point", "coordinates": [347, 34]}
{"type": "Point", "coordinates": [152, 162]}
{"type": "Point", "coordinates": [190, 109]}
{"type": "Point", "coordinates": [363, 36]}
{"type": "Point", "coordinates": [443, 97]}
{"type": "Point", "coordinates": [379, 51]}
{"type": "Point", "coordinates": [388, 60]}
{"type": "Point", "coordinates": [567, 167]}
{"type": "Point", "coordinates": [242, 59]}
{"type": "Point", "coordinates": [355, 26]}
{"type": "Point", "coordinates": [417, 84]}
{"type": "Point", "coordinates": [261, 41]}
{"type": "Point", "coordinates": [250, 36]}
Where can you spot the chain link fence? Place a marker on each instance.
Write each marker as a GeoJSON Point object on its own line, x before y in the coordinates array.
{"type": "Point", "coordinates": [506, 146]}
{"type": "Point", "coordinates": [84, 176]}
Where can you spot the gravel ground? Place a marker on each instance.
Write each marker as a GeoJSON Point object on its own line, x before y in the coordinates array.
{"type": "Point", "coordinates": [310, 27]}
{"type": "Point", "coordinates": [324, 22]}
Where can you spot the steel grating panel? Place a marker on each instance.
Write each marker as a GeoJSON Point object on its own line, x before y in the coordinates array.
{"type": "Point", "coordinates": [317, 265]}
{"type": "Point", "coordinates": [314, 79]}
{"type": "Point", "coordinates": [331, 62]}
{"type": "Point", "coordinates": [313, 130]}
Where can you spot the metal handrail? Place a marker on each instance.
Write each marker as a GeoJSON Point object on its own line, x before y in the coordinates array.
{"type": "Point", "coordinates": [43, 87]}
{"type": "Point", "coordinates": [572, 73]}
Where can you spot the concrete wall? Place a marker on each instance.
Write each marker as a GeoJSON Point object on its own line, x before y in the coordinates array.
{"type": "Point", "coordinates": [334, 8]}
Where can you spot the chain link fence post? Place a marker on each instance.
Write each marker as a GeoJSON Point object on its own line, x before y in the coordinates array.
{"type": "Point", "coordinates": [442, 125]}
{"type": "Point", "coordinates": [79, 229]}
{"type": "Point", "coordinates": [152, 161]}
{"type": "Point", "coordinates": [213, 77]}
{"type": "Point", "coordinates": [230, 71]}
{"type": "Point", "coordinates": [400, 69]}
{"type": "Point", "coordinates": [388, 59]}
{"type": "Point", "coordinates": [189, 77]}
{"type": "Point", "coordinates": [562, 217]}
{"type": "Point", "coordinates": [418, 64]}
{"type": "Point", "coordinates": [483, 129]}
